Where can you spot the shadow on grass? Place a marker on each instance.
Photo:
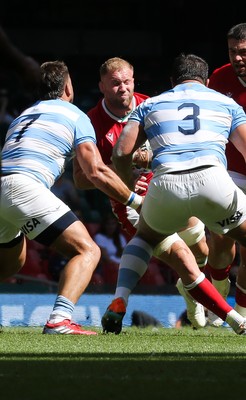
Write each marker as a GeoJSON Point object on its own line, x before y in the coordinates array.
{"type": "Point", "coordinates": [122, 376]}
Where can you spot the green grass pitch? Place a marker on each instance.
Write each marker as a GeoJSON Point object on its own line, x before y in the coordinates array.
{"type": "Point", "coordinates": [140, 363]}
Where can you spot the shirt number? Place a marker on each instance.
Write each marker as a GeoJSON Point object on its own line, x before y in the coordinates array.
{"type": "Point", "coordinates": [193, 117]}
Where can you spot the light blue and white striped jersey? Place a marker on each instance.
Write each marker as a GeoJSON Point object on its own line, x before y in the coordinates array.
{"type": "Point", "coordinates": [188, 126]}
{"type": "Point", "coordinates": [43, 138]}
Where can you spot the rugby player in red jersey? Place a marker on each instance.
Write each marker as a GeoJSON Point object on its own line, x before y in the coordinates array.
{"type": "Point", "coordinates": [230, 79]}
{"type": "Point", "coordinates": [110, 115]}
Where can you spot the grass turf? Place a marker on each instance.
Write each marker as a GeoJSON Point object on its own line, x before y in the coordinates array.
{"type": "Point", "coordinates": [139, 363]}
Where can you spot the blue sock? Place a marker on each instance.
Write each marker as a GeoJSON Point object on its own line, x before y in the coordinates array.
{"type": "Point", "coordinates": [133, 265]}
{"type": "Point", "coordinates": [63, 309]}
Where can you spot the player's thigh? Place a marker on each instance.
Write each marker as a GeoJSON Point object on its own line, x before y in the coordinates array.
{"type": "Point", "coordinates": [220, 243]}
{"type": "Point", "coordinates": [222, 250]}
{"type": "Point", "coordinates": [239, 233]}
{"type": "Point", "coordinates": [12, 256]}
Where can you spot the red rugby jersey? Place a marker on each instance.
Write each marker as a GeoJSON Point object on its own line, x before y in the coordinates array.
{"type": "Point", "coordinates": [225, 81]}
{"type": "Point", "coordinates": [108, 128]}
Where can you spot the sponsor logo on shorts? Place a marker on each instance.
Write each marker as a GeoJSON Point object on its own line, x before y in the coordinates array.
{"type": "Point", "coordinates": [228, 221]}
{"type": "Point", "coordinates": [30, 226]}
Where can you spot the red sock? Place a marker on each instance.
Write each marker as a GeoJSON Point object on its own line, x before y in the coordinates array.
{"type": "Point", "coordinates": [206, 294]}
{"type": "Point", "coordinates": [240, 297]}
{"type": "Point", "coordinates": [218, 274]}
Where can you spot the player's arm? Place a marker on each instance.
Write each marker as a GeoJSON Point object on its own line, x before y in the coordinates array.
{"type": "Point", "coordinates": [102, 177]}
{"type": "Point", "coordinates": [131, 138]}
{"type": "Point", "coordinates": [238, 138]}
{"type": "Point", "coordinates": [83, 183]}
{"type": "Point", "coordinates": [79, 177]}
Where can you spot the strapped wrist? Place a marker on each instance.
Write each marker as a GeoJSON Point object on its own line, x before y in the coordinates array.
{"type": "Point", "coordinates": [134, 200]}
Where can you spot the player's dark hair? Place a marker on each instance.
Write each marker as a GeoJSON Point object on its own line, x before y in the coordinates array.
{"type": "Point", "coordinates": [54, 75]}
{"type": "Point", "coordinates": [237, 32]}
{"type": "Point", "coordinates": [189, 67]}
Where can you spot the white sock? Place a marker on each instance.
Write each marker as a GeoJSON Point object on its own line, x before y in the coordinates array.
{"type": "Point", "coordinates": [235, 320]}
{"type": "Point", "coordinates": [56, 316]}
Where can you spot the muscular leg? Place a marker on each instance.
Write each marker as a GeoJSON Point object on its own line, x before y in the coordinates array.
{"type": "Point", "coordinates": [140, 249]}
{"type": "Point", "coordinates": [183, 261]}
{"type": "Point", "coordinates": [240, 305]}
{"type": "Point", "coordinates": [12, 258]}
{"type": "Point", "coordinates": [194, 236]}
{"type": "Point", "coordinates": [222, 251]}
{"type": "Point", "coordinates": [239, 235]}
{"type": "Point", "coordinates": [84, 255]}
{"type": "Point", "coordinates": [129, 278]}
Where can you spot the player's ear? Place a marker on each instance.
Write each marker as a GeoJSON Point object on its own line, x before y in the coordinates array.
{"type": "Point", "coordinates": [68, 90]}
{"type": "Point", "coordinates": [101, 88]}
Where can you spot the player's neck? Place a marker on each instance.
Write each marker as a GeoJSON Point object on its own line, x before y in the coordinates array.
{"type": "Point", "coordinates": [242, 80]}
{"type": "Point", "coordinates": [118, 112]}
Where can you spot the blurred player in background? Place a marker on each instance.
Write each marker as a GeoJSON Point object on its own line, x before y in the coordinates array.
{"type": "Point", "coordinates": [230, 79]}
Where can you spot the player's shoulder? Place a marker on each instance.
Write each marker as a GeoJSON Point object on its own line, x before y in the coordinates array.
{"type": "Point", "coordinates": [224, 70]}
{"type": "Point", "coordinates": [59, 104]}
{"type": "Point", "coordinates": [224, 80]}
{"type": "Point", "coordinates": [140, 97]}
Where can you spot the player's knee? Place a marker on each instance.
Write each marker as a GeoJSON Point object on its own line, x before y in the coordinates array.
{"type": "Point", "coordinates": [89, 250]}
{"type": "Point", "coordinates": [95, 251]}
{"type": "Point", "coordinates": [165, 244]}
{"type": "Point", "coordinates": [194, 234]}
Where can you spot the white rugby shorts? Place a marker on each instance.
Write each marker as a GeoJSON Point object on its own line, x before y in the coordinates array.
{"type": "Point", "coordinates": [27, 206]}
{"type": "Point", "coordinates": [209, 194]}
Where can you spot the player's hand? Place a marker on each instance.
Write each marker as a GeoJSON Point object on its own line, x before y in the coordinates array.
{"type": "Point", "coordinates": [141, 158]}
{"type": "Point", "coordinates": [141, 186]}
